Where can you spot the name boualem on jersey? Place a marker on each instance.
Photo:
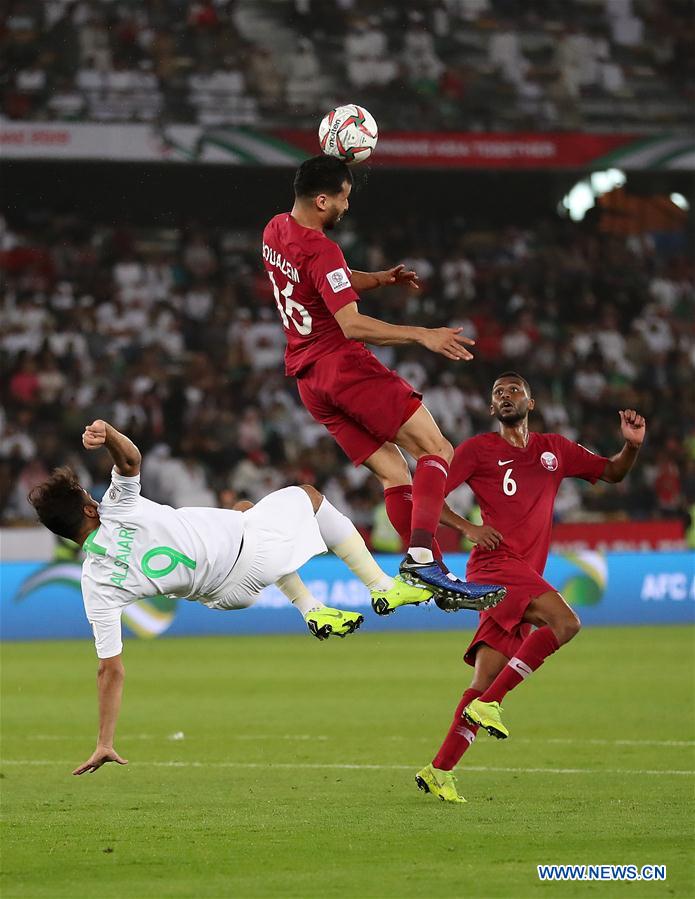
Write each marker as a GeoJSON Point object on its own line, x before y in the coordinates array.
{"type": "Point", "coordinates": [308, 290]}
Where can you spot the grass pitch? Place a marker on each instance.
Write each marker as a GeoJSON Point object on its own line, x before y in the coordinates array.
{"type": "Point", "coordinates": [294, 777]}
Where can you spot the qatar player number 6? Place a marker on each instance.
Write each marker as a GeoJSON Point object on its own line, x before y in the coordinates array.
{"type": "Point", "coordinates": [304, 327]}
{"type": "Point", "coordinates": [508, 483]}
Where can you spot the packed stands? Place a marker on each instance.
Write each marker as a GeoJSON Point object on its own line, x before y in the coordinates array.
{"type": "Point", "coordinates": [484, 65]}
{"type": "Point", "coordinates": [172, 334]}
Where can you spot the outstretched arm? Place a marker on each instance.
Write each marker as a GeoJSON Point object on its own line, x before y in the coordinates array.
{"type": "Point", "coordinates": [633, 429]}
{"type": "Point", "coordinates": [362, 281]}
{"type": "Point", "coordinates": [126, 456]}
{"type": "Point", "coordinates": [482, 535]}
{"type": "Point", "coordinates": [110, 676]}
{"type": "Point", "coordinates": [448, 342]}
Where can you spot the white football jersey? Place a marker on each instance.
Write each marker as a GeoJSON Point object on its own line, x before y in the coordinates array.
{"type": "Point", "coordinates": [142, 548]}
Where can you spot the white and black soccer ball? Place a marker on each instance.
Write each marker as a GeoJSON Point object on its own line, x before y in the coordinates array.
{"type": "Point", "coordinates": [348, 132]}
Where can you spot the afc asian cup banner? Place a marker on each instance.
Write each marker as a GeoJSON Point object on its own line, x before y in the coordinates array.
{"type": "Point", "coordinates": [221, 144]}
{"type": "Point", "coordinates": [43, 601]}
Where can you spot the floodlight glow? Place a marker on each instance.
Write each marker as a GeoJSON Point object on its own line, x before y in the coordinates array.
{"type": "Point", "coordinates": [579, 201]}
{"type": "Point", "coordinates": [583, 195]}
{"type": "Point", "coordinates": [602, 182]}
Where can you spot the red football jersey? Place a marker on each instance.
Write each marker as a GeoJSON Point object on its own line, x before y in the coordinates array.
{"type": "Point", "coordinates": [311, 282]}
{"type": "Point", "coordinates": [516, 488]}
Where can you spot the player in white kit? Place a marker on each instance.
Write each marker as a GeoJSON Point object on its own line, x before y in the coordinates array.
{"type": "Point", "coordinates": [137, 548]}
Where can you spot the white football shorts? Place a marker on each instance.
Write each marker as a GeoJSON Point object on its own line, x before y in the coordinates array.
{"type": "Point", "coordinates": [280, 535]}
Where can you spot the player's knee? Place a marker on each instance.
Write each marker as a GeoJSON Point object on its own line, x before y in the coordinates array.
{"type": "Point", "coordinates": [314, 495]}
{"type": "Point", "coordinates": [574, 625]}
{"type": "Point", "coordinates": [567, 628]}
{"type": "Point", "coordinates": [447, 451]}
{"type": "Point", "coordinates": [242, 506]}
{"type": "Point", "coordinates": [439, 446]}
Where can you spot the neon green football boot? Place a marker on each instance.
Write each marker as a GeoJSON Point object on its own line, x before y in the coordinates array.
{"type": "Point", "coordinates": [324, 622]}
{"type": "Point", "coordinates": [400, 594]}
{"type": "Point", "coordinates": [487, 715]}
{"type": "Point", "coordinates": [439, 783]}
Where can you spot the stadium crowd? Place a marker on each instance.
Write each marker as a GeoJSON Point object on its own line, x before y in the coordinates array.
{"type": "Point", "coordinates": [416, 64]}
{"type": "Point", "coordinates": [173, 336]}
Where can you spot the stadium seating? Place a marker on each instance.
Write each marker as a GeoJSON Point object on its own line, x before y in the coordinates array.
{"type": "Point", "coordinates": [453, 64]}
{"type": "Point", "coordinates": [173, 336]}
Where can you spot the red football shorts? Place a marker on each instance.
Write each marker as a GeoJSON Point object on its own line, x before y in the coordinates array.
{"type": "Point", "coordinates": [503, 628]}
{"type": "Point", "coordinates": [361, 402]}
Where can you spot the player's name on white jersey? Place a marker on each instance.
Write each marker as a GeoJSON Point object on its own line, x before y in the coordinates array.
{"type": "Point", "coordinates": [123, 554]}
{"type": "Point", "coordinates": [274, 258]}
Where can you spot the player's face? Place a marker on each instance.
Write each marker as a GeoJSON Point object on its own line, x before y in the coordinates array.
{"type": "Point", "coordinates": [335, 207]}
{"type": "Point", "coordinates": [510, 401]}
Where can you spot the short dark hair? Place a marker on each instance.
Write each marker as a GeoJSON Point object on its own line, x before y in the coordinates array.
{"type": "Point", "coordinates": [321, 175]}
{"type": "Point", "coordinates": [517, 377]}
{"type": "Point", "coordinates": [60, 502]}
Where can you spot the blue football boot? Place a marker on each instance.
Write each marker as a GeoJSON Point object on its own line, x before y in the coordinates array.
{"type": "Point", "coordinates": [451, 593]}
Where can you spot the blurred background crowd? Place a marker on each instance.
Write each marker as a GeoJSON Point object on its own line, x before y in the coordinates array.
{"type": "Point", "coordinates": [489, 65]}
{"type": "Point", "coordinates": [120, 303]}
{"type": "Point", "coordinates": [172, 335]}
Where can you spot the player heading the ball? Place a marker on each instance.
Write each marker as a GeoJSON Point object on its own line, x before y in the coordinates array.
{"type": "Point", "coordinates": [369, 410]}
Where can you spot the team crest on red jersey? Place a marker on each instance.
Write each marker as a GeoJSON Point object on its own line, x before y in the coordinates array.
{"type": "Point", "coordinates": [549, 461]}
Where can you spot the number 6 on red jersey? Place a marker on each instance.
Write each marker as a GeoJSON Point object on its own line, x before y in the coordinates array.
{"type": "Point", "coordinates": [508, 483]}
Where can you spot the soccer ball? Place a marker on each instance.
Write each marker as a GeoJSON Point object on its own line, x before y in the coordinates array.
{"type": "Point", "coordinates": [348, 132]}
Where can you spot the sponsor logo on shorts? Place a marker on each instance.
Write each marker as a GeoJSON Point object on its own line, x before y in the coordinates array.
{"type": "Point", "coordinates": [338, 280]}
{"type": "Point", "coordinates": [549, 461]}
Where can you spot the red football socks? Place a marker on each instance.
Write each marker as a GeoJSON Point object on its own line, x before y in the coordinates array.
{"type": "Point", "coordinates": [461, 735]}
{"type": "Point", "coordinates": [399, 508]}
{"type": "Point", "coordinates": [533, 652]}
{"type": "Point", "coordinates": [429, 486]}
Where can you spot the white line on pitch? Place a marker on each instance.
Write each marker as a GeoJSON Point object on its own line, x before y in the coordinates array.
{"type": "Point", "coordinates": [597, 742]}
{"type": "Point", "coordinates": [355, 767]}
{"type": "Point", "coordinates": [393, 737]}
{"type": "Point", "coordinates": [57, 738]}
{"type": "Point", "coordinates": [562, 740]}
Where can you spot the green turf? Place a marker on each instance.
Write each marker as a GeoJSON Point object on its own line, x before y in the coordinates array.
{"type": "Point", "coordinates": [255, 809]}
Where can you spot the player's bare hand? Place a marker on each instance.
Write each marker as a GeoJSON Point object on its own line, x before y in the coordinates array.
{"type": "Point", "coordinates": [399, 275]}
{"type": "Point", "coordinates": [100, 756]}
{"type": "Point", "coordinates": [94, 435]}
{"type": "Point", "coordinates": [448, 342]}
{"type": "Point", "coordinates": [484, 536]}
{"type": "Point", "coordinates": [632, 426]}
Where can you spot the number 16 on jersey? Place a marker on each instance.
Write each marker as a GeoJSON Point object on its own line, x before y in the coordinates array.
{"type": "Point", "coordinates": [286, 310]}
